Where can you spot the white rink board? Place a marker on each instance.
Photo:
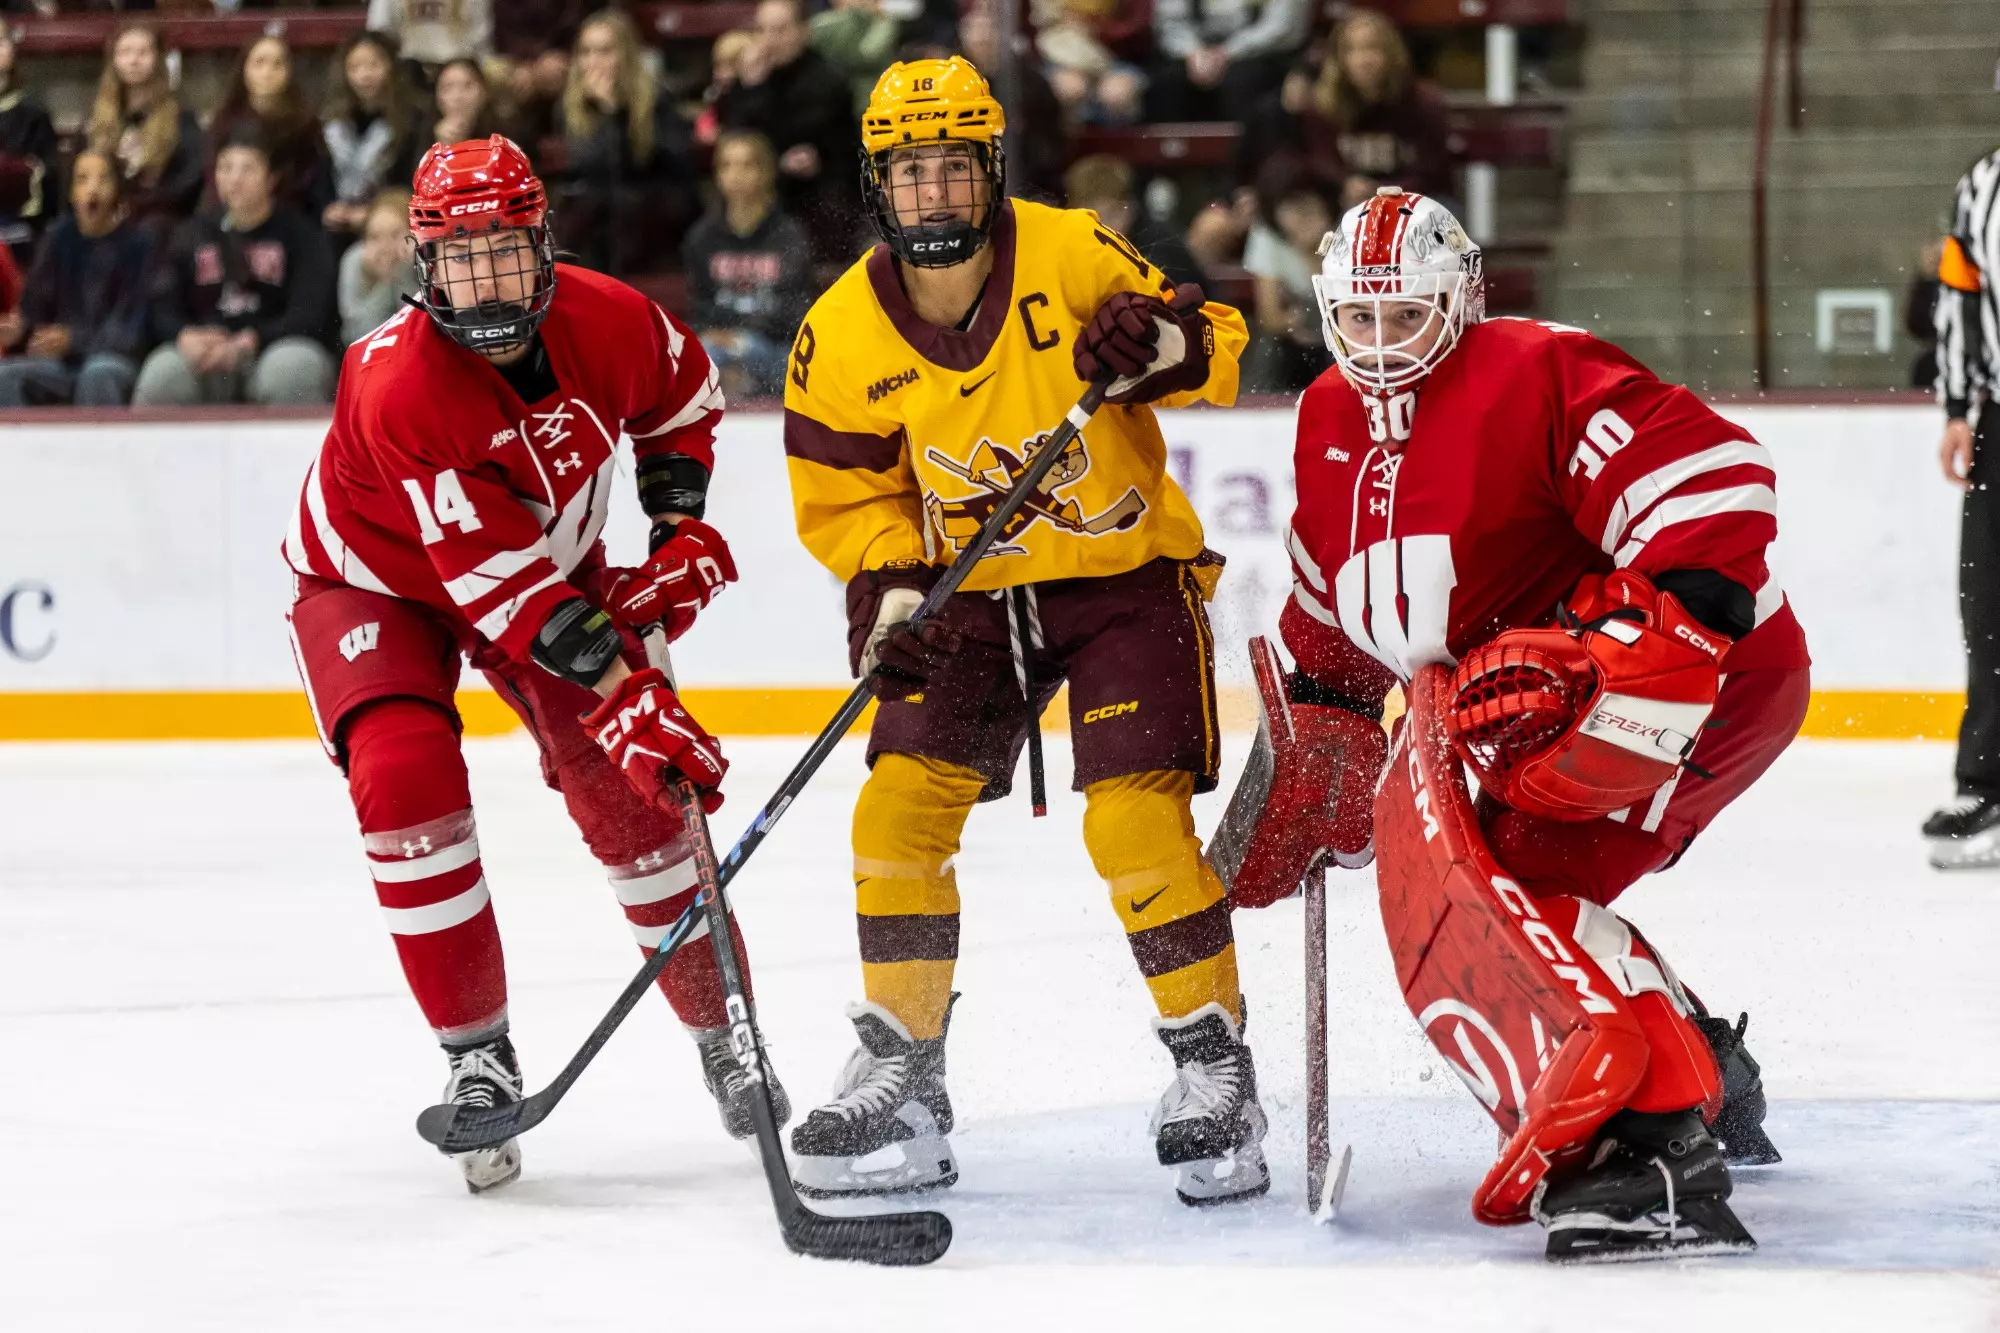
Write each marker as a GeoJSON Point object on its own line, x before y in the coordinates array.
{"type": "Point", "coordinates": [145, 556]}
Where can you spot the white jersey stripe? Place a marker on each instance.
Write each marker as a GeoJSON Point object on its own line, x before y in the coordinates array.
{"type": "Point", "coordinates": [348, 566]}
{"type": "Point", "coordinates": [705, 400]}
{"type": "Point", "coordinates": [1651, 488]}
{"type": "Point", "coordinates": [1687, 508]}
{"type": "Point", "coordinates": [453, 911]}
{"type": "Point", "coordinates": [1307, 565]}
{"type": "Point", "coordinates": [469, 587]}
{"type": "Point", "coordinates": [495, 622]}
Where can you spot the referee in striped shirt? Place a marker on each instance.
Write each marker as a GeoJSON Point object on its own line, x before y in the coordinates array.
{"type": "Point", "coordinates": [1967, 832]}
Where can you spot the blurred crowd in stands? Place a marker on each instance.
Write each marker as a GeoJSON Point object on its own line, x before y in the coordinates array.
{"type": "Point", "coordinates": [165, 253]}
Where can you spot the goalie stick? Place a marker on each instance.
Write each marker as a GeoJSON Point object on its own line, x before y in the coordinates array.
{"type": "Point", "coordinates": [455, 1129]}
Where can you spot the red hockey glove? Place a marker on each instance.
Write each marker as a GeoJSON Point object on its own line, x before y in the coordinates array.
{"type": "Point", "coordinates": [1307, 792]}
{"type": "Point", "coordinates": [1577, 721]}
{"type": "Point", "coordinates": [648, 737]}
{"type": "Point", "coordinates": [685, 573]}
{"type": "Point", "coordinates": [1147, 348]}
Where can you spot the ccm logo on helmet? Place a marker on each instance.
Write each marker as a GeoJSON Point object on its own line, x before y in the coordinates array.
{"type": "Point", "coordinates": [480, 206]}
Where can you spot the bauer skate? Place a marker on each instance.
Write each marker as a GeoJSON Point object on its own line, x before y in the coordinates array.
{"type": "Point", "coordinates": [1654, 1186]}
{"type": "Point", "coordinates": [733, 1093]}
{"type": "Point", "coordinates": [1740, 1123]}
{"type": "Point", "coordinates": [1208, 1124]}
{"type": "Point", "coordinates": [1965, 835]}
{"type": "Point", "coordinates": [884, 1131]}
{"type": "Point", "coordinates": [485, 1076]}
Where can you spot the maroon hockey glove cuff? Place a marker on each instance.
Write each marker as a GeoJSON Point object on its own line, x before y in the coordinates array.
{"type": "Point", "coordinates": [878, 600]}
{"type": "Point", "coordinates": [649, 737]}
{"type": "Point", "coordinates": [1146, 348]}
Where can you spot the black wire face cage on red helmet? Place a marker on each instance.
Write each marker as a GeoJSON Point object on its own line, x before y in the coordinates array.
{"type": "Point", "coordinates": [898, 175]}
{"type": "Point", "coordinates": [489, 325]}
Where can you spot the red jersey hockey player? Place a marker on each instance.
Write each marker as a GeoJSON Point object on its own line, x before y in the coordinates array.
{"type": "Point", "coordinates": [455, 509]}
{"type": "Point", "coordinates": [1528, 503]}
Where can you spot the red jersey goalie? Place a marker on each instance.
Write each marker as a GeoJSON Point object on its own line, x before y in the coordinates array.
{"type": "Point", "coordinates": [1563, 562]}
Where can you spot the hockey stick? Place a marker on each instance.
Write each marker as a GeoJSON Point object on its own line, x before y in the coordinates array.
{"type": "Point", "coordinates": [896, 1239]}
{"type": "Point", "coordinates": [456, 1129]}
{"type": "Point", "coordinates": [1322, 1196]}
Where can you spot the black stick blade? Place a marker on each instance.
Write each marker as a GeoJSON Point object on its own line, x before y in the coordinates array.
{"type": "Point", "coordinates": [894, 1240]}
{"type": "Point", "coordinates": [454, 1129]}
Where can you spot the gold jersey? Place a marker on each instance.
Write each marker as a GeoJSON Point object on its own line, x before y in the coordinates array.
{"type": "Point", "coordinates": [902, 438]}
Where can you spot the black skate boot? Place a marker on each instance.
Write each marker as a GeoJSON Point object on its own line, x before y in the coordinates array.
{"type": "Point", "coordinates": [884, 1131]}
{"type": "Point", "coordinates": [733, 1093]}
{"type": "Point", "coordinates": [485, 1076]}
{"type": "Point", "coordinates": [1653, 1186]}
{"type": "Point", "coordinates": [1208, 1124]}
{"type": "Point", "coordinates": [1965, 835]}
{"type": "Point", "coordinates": [1740, 1123]}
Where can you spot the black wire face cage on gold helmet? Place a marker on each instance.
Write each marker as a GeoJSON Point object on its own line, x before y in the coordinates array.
{"type": "Point", "coordinates": [480, 220]}
{"type": "Point", "coordinates": [930, 146]}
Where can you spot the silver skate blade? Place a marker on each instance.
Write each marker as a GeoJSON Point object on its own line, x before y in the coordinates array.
{"type": "Point", "coordinates": [1981, 851]}
{"type": "Point", "coordinates": [1327, 1207]}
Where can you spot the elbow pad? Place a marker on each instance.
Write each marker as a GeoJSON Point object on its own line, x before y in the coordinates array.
{"type": "Point", "coordinates": [673, 484]}
{"type": "Point", "coordinates": [577, 642]}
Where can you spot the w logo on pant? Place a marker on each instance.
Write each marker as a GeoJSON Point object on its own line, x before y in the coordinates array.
{"type": "Point", "coordinates": [361, 639]}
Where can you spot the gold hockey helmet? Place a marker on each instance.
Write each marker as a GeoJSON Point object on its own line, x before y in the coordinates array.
{"type": "Point", "coordinates": [927, 102]}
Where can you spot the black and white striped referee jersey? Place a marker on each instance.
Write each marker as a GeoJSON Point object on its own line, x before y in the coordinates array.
{"type": "Point", "coordinates": [1968, 306]}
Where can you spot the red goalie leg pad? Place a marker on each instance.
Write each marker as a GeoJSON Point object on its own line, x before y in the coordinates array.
{"type": "Point", "coordinates": [407, 778]}
{"type": "Point", "coordinates": [1512, 1000]}
{"type": "Point", "coordinates": [651, 867]}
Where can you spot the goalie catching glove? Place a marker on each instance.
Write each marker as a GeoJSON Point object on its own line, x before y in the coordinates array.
{"type": "Point", "coordinates": [649, 737]}
{"type": "Point", "coordinates": [1147, 348]}
{"type": "Point", "coordinates": [1595, 714]}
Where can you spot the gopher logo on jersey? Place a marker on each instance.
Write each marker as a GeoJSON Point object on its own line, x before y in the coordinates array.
{"type": "Point", "coordinates": [995, 470]}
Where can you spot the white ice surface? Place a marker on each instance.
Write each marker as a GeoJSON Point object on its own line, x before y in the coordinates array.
{"type": "Point", "coordinates": [211, 1068]}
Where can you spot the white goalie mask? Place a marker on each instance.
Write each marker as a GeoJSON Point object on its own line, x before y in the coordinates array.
{"type": "Point", "coordinates": [1394, 251]}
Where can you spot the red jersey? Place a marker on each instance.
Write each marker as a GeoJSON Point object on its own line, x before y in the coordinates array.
{"type": "Point", "coordinates": [1534, 454]}
{"type": "Point", "coordinates": [438, 484]}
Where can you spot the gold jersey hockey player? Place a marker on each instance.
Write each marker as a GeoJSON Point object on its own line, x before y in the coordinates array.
{"type": "Point", "coordinates": [920, 386]}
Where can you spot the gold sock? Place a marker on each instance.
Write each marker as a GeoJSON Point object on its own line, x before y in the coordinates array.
{"type": "Point", "coordinates": [906, 832]}
{"type": "Point", "coordinates": [1140, 832]}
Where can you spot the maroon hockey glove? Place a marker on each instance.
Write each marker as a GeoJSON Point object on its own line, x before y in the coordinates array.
{"type": "Point", "coordinates": [878, 600]}
{"type": "Point", "coordinates": [648, 737]}
{"type": "Point", "coordinates": [1145, 347]}
{"type": "Point", "coordinates": [685, 573]}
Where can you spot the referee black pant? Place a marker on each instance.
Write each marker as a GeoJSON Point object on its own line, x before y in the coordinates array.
{"type": "Point", "coordinates": [1978, 770]}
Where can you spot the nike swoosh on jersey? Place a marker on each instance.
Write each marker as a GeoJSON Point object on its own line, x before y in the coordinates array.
{"type": "Point", "coordinates": [967, 390]}
{"type": "Point", "coordinates": [1138, 906]}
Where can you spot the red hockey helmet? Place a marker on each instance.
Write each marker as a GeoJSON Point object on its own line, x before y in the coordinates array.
{"type": "Point", "coordinates": [465, 191]}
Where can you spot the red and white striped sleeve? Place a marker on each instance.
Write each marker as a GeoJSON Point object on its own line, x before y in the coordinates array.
{"type": "Point", "coordinates": [1657, 480]}
{"type": "Point", "coordinates": [680, 400]}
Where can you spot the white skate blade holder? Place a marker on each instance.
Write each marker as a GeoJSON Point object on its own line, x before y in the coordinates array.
{"type": "Point", "coordinates": [1981, 851]}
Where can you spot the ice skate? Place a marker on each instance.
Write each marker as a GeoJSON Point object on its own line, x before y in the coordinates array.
{"type": "Point", "coordinates": [884, 1130]}
{"type": "Point", "coordinates": [485, 1076]}
{"type": "Point", "coordinates": [1654, 1186]}
{"type": "Point", "coordinates": [734, 1094]}
{"type": "Point", "coordinates": [1208, 1124]}
{"type": "Point", "coordinates": [1965, 835]}
{"type": "Point", "coordinates": [1740, 1123]}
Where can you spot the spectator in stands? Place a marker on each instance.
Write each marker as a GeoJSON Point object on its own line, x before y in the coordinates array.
{"type": "Point", "coordinates": [1920, 313]}
{"type": "Point", "coordinates": [629, 190]}
{"type": "Point", "coordinates": [1218, 58]}
{"type": "Point", "coordinates": [27, 154]}
{"type": "Point", "coordinates": [377, 274]}
{"type": "Point", "coordinates": [375, 132]}
{"type": "Point", "coordinates": [1295, 211]}
{"type": "Point", "coordinates": [791, 95]}
{"type": "Point", "coordinates": [1103, 184]}
{"type": "Point", "coordinates": [263, 93]}
{"type": "Point", "coordinates": [749, 270]}
{"type": "Point", "coordinates": [83, 309]}
{"type": "Point", "coordinates": [1093, 53]}
{"type": "Point", "coordinates": [10, 300]}
{"type": "Point", "coordinates": [430, 33]}
{"type": "Point", "coordinates": [725, 64]}
{"type": "Point", "coordinates": [242, 303]}
{"type": "Point", "coordinates": [464, 103]}
{"type": "Point", "coordinates": [858, 39]}
{"type": "Point", "coordinates": [156, 142]}
{"type": "Point", "coordinates": [1037, 149]}
{"type": "Point", "coordinates": [531, 42]}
